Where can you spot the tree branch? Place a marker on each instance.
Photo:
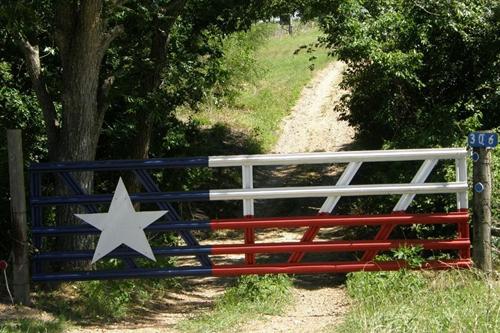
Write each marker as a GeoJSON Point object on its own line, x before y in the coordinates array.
{"type": "Point", "coordinates": [110, 36]}
{"type": "Point", "coordinates": [102, 97]}
{"type": "Point", "coordinates": [32, 57]}
{"type": "Point", "coordinates": [495, 231]}
{"type": "Point", "coordinates": [102, 101]}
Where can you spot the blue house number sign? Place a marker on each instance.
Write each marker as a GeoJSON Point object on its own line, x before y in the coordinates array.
{"type": "Point", "coordinates": [483, 140]}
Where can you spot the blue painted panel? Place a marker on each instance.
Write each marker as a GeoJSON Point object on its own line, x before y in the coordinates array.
{"type": "Point", "coordinates": [106, 198]}
{"type": "Point", "coordinates": [157, 163]}
{"type": "Point", "coordinates": [88, 229]}
{"type": "Point", "coordinates": [123, 253]}
{"type": "Point", "coordinates": [36, 214]}
{"type": "Point", "coordinates": [482, 140]}
{"type": "Point", "coordinates": [150, 185]}
{"type": "Point", "coordinates": [123, 274]}
{"type": "Point", "coordinates": [91, 204]}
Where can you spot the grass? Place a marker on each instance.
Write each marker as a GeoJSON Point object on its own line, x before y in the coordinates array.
{"type": "Point", "coordinates": [262, 103]}
{"type": "Point", "coordinates": [30, 325]}
{"type": "Point", "coordinates": [252, 297]}
{"type": "Point", "coordinates": [102, 301]}
{"type": "Point", "coordinates": [87, 302]}
{"type": "Point", "coordinates": [409, 301]}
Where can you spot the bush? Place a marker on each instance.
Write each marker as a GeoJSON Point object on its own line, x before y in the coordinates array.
{"type": "Point", "coordinates": [419, 74]}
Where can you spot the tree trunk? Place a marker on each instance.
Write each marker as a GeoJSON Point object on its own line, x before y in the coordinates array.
{"type": "Point", "coordinates": [82, 39]}
{"type": "Point", "coordinates": [82, 44]}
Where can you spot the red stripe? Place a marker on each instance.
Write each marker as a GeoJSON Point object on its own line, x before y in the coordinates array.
{"type": "Point", "coordinates": [308, 236]}
{"type": "Point", "coordinates": [386, 230]}
{"type": "Point", "coordinates": [339, 220]}
{"type": "Point", "coordinates": [249, 239]}
{"type": "Point", "coordinates": [382, 234]}
{"type": "Point", "coordinates": [464, 232]}
{"type": "Point", "coordinates": [339, 246]}
{"type": "Point", "coordinates": [333, 267]}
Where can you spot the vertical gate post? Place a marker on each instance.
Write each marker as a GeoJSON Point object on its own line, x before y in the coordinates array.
{"type": "Point", "coordinates": [21, 278]}
{"type": "Point", "coordinates": [481, 218]}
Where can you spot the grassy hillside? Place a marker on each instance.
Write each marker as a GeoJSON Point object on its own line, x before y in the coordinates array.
{"type": "Point", "coordinates": [281, 75]}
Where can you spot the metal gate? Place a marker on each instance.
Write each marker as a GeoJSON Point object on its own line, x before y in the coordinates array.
{"type": "Point", "coordinates": [44, 231]}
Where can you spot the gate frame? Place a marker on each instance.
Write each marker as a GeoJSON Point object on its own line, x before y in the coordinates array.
{"type": "Point", "coordinates": [248, 194]}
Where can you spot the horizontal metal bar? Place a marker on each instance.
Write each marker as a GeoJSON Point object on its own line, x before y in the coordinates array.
{"type": "Point", "coordinates": [340, 220]}
{"type": "Point", "coordinates": [154, 163]}
{"type": "Point", "coordinates": [123, 253]}
{"type": "Point", "coordinates": [274, 222]}
{"type": "Point", "coordinates": [153, 197]}
{"type": "Point", "coordinates": [331, 267]}
{"type": "Point", "coordinates": [348, 190]}
{"type": "Point", "coordinates": [338, 157]}
{"type": "Point", "coordinates": [88, 229]}
{"type": "Point", "coordinates": [261, 193]}
{"type": "Point", "coordinates": [122, 274]}
{"type": "Point", "coordinates": [339, 246]}
{"type": "Point", "coordinates": [264, 159]}
{"type": "Point", "coordinates": [329, 246]}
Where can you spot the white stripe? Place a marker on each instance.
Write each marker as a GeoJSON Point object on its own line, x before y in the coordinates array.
{"type": "Point", "coordinates": [461, 176]}
{"type": "Point", "coordinates": [324, 191]}
{"type": "Point", "coordinates": [420, 177]}
{"type": "Point", "coordinates": [247, 182]}
{"type": "Point", "coordinates": [338, 157]}
{"type": "Point", "coordinates": [345, 179]}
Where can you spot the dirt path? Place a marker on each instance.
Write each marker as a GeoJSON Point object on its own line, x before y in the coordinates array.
{"type": "Point", "coordinates": [313, 125]}
{"type": "Point", "coordinates": [320, 301]}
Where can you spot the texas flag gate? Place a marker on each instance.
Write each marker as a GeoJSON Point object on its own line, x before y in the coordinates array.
{"type": "Point", "coordinates": [123, 231]}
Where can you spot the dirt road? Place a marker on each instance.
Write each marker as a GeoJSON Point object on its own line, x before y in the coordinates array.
{"type": "Point", "coordinates": [319, 301]}
{"type": "Point", "coordinates": [313, 124]}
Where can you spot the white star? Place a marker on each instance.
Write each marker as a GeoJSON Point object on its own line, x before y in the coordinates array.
{"type": "Point", "coordinates": [122, 225]}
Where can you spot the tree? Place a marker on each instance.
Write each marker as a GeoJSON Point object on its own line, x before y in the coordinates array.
{"type": "Point", "coordinates": [84, 56]}
{"type": "Point", "coordinates": [421, 73]}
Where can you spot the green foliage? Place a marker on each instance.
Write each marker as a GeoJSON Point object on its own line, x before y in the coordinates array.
{"type": "Point", "coordinates": [238, 67]}
{"type": "Point", "coordinates": [265, 290]}
{"type": "Point", "coordinates": [367, 286]}
{"type": "Point", "coordinates": [24, 325]}
{"type": "Point", "coordinates": [190, 66]}
{"type": "Point", "coordinates": [404, 301]}
{"type": "Point", "coordinates": [411, 254]}
{"type": "Point", "coordinates": [420, 74]}
{"type": "Point", "coordinates": [18, 110]}
{"type": "Point", "coordinates": [103, 301]}
{"type": "Point", "coordinates": [110, 299]}
{"type": "Point", "coordinates": [251, 297]}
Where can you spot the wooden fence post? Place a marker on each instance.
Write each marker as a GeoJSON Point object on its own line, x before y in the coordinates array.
{"type": "Point", "coordinates": [481, 218]}
{"type": "Point", "coordinates": [20, 265]}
